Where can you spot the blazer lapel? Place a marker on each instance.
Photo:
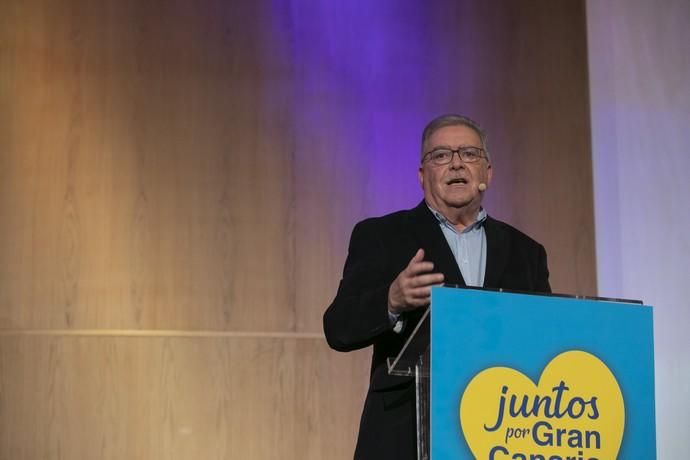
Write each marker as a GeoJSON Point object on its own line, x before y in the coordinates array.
{"type": "Point", "coordinates": [430, 237]}
{"type": "Point", "coordinates": [497, 252]}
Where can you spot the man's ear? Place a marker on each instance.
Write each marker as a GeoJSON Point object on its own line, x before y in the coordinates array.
{"type": "Point", "coordinates": [420, 175]}
{"type": "Point", "coordinates": [489, 174]}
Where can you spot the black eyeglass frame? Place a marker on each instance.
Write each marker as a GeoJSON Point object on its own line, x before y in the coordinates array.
{"type": "Point", "coordinates": [459, 151]}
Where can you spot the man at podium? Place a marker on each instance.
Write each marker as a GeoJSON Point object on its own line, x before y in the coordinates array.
{"type": "Point", "coordinates": [394, 260]}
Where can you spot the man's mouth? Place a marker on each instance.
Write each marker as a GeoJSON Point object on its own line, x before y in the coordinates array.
{"type": "Point", "coordinates": [457, 180]}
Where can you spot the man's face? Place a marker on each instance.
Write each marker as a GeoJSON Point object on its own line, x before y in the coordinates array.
{"type": "Point", "coordinates": [454, 186]}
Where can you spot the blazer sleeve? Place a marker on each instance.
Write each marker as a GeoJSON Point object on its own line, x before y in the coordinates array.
{"type": "Point", "coordinates": [358, 316]}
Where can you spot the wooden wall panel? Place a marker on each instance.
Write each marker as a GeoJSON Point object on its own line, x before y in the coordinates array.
{"type": "Point", "coordinates": [144, 181]}
{"type": "Point", "coordinates": [177, 398]}
{"type": "Point", "coordinates": [199, 167]}
{"type": "Point", "coordinates": [185, 166]}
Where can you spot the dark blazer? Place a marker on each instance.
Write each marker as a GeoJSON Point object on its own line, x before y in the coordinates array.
{"type": "Point", "coordinates": [380, 248]}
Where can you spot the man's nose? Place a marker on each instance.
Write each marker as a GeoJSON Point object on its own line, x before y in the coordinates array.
{"type": "Point", "coordinates": [456, 162]}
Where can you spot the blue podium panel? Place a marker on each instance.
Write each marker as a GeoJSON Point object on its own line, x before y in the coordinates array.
{"type": "Point", "coordinates": [529, 377]}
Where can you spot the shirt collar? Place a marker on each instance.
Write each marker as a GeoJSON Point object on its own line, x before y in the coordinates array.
{"type": "Point", "coordinates": [481, 217]}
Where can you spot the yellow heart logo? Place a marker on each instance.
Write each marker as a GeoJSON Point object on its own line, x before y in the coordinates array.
{"type": "Point", "coordinates": [576, 412]}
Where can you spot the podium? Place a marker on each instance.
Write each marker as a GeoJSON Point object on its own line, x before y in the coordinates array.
{"type": "Point", "coordinates": [505, 375]}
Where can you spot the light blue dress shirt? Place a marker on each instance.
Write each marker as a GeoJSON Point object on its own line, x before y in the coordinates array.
{"type": "Point", "coordinates": [468, 247]}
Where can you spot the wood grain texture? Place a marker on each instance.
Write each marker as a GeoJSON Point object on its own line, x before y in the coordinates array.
{"type": "Point", "coordinates": [177, 398]}
{"type": "Point", "coordinates": [134, 194]}
{"type": "Point", "coordinates": [199, 167]}
{"type": "Point", "coordinates": [183, 166]}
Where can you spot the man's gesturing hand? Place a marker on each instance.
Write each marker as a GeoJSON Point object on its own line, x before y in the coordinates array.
{"type": "Point", "coordinates": [412, 288]}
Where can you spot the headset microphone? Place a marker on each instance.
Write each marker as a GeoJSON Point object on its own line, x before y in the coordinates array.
{"type": "Point", "coordinates": [481, 186]}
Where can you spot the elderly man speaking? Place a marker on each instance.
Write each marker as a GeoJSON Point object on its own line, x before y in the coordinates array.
{"type": "Point", "coordinates": [394, 260]}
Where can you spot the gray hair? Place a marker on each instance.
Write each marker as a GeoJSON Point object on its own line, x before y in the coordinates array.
{"type": "Point", "coordinates": [451, 119]}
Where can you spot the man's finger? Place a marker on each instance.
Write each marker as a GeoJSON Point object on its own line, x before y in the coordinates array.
{"type": "Point", "coordinates": [426, 280]}
{"type": "Point", "coordinates": [418, 293]}
{"type": "Point", "coordinates": [418, 257]}
{"type": "Point", "coordinates": [419, 267]}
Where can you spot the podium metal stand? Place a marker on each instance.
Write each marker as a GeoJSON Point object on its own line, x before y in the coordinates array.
{"type": "Point", "coordinates": [415, 360]}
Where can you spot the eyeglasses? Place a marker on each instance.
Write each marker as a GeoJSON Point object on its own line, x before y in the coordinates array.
{"type": "Point", "coordinates": [445, 156]}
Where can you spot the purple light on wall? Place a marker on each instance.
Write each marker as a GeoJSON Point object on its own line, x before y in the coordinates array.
{"type": "Point", "coordinates": [362, 97]}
